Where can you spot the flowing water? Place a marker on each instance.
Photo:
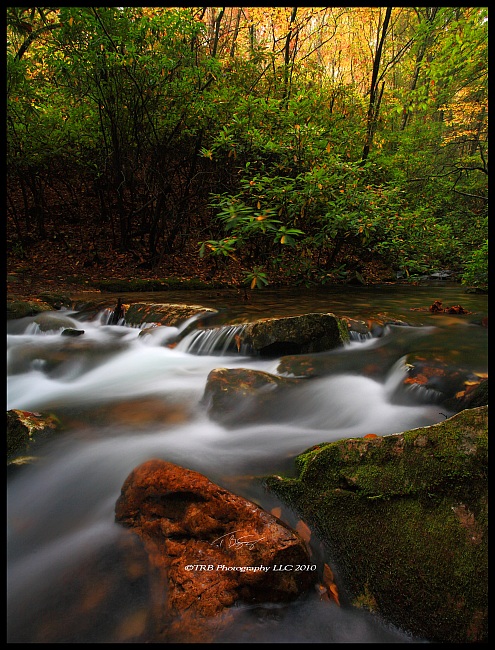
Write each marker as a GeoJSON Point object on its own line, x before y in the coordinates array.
{"type": "Point", "coordinates": [125, 398]}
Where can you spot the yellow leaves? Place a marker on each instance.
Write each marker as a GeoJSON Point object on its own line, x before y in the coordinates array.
{"type": "Point", "coordinates": [261, 217]}
{"type": "Point", "coordinates": [258, 205]}
{"type": "Point", "coordinates": [71, 20]}
{"type": "Point", "coordinates": [253, 283]}
{"type": "Point", "coordinates": [329, 147]}
{"type": "Point", "coordinates": [283, 239]}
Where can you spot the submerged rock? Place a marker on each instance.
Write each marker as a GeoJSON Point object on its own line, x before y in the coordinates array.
{"type": "Point", "coordinates": [209, 547]}
{"type": "Point", "coordinates": [295, 335]}
{"type": "Point", "coordinates": [110, 599]}
{"type": "Point", "coordinates": [241, 395]}
{"type": "Point", "coordinates": [406, 518]}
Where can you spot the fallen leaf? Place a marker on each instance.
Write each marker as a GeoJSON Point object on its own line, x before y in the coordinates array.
{"type": "Point", "coordinates": [327, 575]}
{"type": "Point", "coordinates": [303, 530]}
{"type": "Point", "coordinates": [276, 512]}
{"type": "Point", "coordinates": [329, 583]}
{"type": "Point", "coordinates": [334, 592]}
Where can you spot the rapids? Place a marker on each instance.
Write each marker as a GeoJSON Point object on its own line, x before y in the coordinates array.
{"type": "Point", "coordinates": [125, 397]}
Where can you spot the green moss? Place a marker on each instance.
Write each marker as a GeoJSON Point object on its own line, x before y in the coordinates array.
{"type": "Point", "coordinates": [405, 519]}
{"type": "Point", "coordinates": [23, 308]}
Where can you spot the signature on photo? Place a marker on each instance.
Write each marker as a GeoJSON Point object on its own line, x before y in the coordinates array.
{"type": "Point", "coordinates": [229, 540]}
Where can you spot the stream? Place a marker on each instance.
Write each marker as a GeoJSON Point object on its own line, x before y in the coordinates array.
{"type": "Point", "coordinates": [125, 398]}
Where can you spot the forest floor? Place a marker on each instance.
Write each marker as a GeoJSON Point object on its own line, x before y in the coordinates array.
{"type": "Point", "coordinates": [48, 266]}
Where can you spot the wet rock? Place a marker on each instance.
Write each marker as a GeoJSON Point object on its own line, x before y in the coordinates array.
{"type": "Point", "coordinates": [23, 308]}
{"type": "Point", "coordinates": [162, 313]}
{"type": "Point", "coordinates": [295, 335]}
{"type": "Point", "coordinates": [52, 322]}
{"type": "Point", "coordinates": [437, 382]}
{"type": "Point", "coordinates": [406, 518]}
{"type": "Point", "coordinates": [25, 430]}
{"type": "Point", "coordinates": [474, 395]}
{"type": "Point", "coordinates": [71, 331]}
{"type": "Point", "coordinates": [374, 362]}
{"type": "Point", "coordinates": [210, 547]}
{"type": "Point", "coordinates": [242, 395]}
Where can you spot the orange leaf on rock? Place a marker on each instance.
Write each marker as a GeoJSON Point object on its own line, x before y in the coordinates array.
{"type": "Point", "coordinates": [334, 593]}
{"type": "Point", "coordinates": [329, 583]}
{"type": "Point", "coordinates": [303, 530]}
{"type": "Point", "coordinates": [370, 435]}
{"type": "Point", "coordinates": [276, 512]}
{"type": "Point", "coordinates": [327, 575]}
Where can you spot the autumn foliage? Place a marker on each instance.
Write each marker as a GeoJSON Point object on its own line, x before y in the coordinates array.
{"type": "Point", "coordinates": [262, 145]}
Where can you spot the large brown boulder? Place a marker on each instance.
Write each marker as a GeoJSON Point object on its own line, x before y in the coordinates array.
{"type": "Point", "coordinates": [295, 334]}
{"type": "Point", "coordinates": [210, 548]}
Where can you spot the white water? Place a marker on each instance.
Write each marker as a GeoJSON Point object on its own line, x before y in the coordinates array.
{"type": "Point", "coordinates": [61, 509]}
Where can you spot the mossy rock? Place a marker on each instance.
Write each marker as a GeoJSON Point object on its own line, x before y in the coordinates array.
{"type": "Point", "coordinates": [24, 308]}
{"type": "Point", "coordinates": [405, 518]}
{"type": "Point", "coordinates": [306, 333]}
{"type": "Point", "coordinates": [26, 431]}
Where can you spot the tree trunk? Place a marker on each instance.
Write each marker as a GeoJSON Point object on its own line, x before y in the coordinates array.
{"type": "Point", "coordinates": [287, 56]}
{"type": "Point", "coordinates": [375, 95]}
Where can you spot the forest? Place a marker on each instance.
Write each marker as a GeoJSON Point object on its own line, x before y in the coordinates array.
{"type": "Point", "coordinates": [280, 146]}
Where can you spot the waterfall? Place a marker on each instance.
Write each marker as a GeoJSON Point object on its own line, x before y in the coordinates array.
{"type": "Point", "coordinates": [218, 341]}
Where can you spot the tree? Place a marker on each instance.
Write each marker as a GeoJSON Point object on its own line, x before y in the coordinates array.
{"type": "Point", "coordinates": [375, 91]}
